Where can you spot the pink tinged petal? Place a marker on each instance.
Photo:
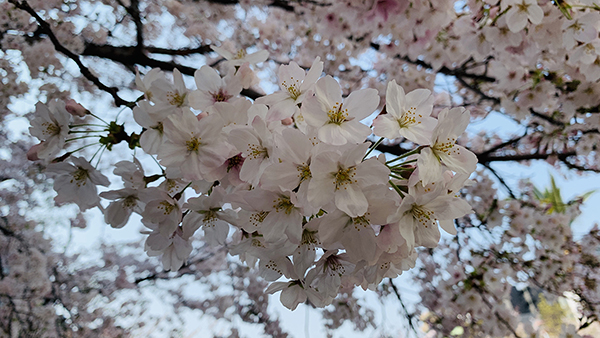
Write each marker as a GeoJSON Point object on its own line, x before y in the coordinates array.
{"type": "Point", "coordinates": [430, 168]}
{"type": "Point", "coordinates": [284, 176]}
{"type": "Point", "coordinates": [333, 134]}
{"type": "Point", "coordinates": [182, 248]}
{"type": "Point", "coordinates": [350, 199]}
{"type": "Point", "coordinates": [427, 236]}
{"type": "Point", "coordinates": [257, 57]}
{"type": "Point", "coordinates": [313, 112]}
{"type": "Point", "coordinates": [516, 20]}
{"type": "Point", "coordinates": [448, 226]}
{"type": "Point", "coordinates": [157, 242]}
{"type": "Point", "coordinates": [289, 75]}
{"type": "Point", "coordinates": [587, 34]}
{"type": "Point", "coordinates": [331, 227]}
{"type": "Point", "coordinates": [292, 296]}
{"type": "Point", "coordinates": [328, 92]}
{"type": "Point", "coordinates": [421, 99]}
{"type": "Point", "coordinates": [535, 14]}
{"type": "Point", "coordinates": [362, 103]}
{"type": "Point", "coordinates": [420, 133]}
{"type": "Point", "coordinates": [150, 141]}
{"type": "Point", "coordinates": [372, 172]}
{"type": "Point", "coordinates": [321, 191]}
{"type": "Point", "coordinates": [394, 99]}
{"type": "Point", "coordinates": [459, 159]}
{"type": "Point", "coordinates": [387, 126]}
{"type": "Point", "coordinates": [313, 74]}
{"type": "Point", "coordinates": [355, 132]}
{"type": "Point", "coordinates": [117, 215]}
{"type": "Point", "coordinates": [361, 238]}
{"type": "Point", "coordinates": [207, 79]}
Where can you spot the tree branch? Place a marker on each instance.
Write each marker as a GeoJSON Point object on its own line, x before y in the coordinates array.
{"type": "Point", "coordinates": [46, 29]}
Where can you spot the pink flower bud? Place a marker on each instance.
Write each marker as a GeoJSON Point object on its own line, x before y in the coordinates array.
{"type": "Point", "coordinates": [246, 75]}
{"type": "Point", "coordinates": [287, 121]}
{"type": "Point", "coordinates": [201, 115]}
{"type": "Point", "coordinates": [75, 108]}
{"type": "Point", "coordinates": [32, 153]}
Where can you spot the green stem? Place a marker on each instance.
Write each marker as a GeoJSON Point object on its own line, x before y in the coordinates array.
{"type": "Point", "coordinates": [399, 165]}
{"type": "Point", "coordinates": [86, 125]}
{"type": "Point", "coordinates": [81, 137]}
{"type": "Point", "coordinates": [397, 189]}
{"type": "Point", "coordinates": [373, 147]}
{"type": "Point", "coordinates": [84, 131]}
{"type": "Point", "coordinates": [98, 118]}
{"type": "Point", "coordinates": [412, 152]}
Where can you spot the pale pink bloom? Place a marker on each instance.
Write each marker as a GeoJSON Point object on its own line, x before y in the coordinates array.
{"type": "Point", "coordinates": [50, 125]}
{"type": "Point", "coordinates": [520, 11]}
{"type": "Point", "coordinates": [131, 173]}
{"type": "Point", "coordinates": [273, 214]}
{"type": "Point", "coordinates": [341, 178]}
{"type": "Point", "coordinates": [161, 210]}
{"type": "Point", "coordinates": [332, 267]}
{"type": "Point", "coordinates": [241, 57]}
{"type": "Point", "coordinates": [246, 75]}
{"type": "Point", "coordinates": [299, 290]}
{"type": "Point", "coordinates": [212, 88]}
{"type": "Point", "coordinates": [174, 95]}
{"type": "Point", "coordinates": [207, 212]}
{"type": "Point", "coordinates": [126, 201]}
{"type": "Point", "coordinates": [422, 209]}
{"type": "Point", "coordinates": [77, 182]}
{"type": "Point", "coordinates": [407, 115]}
{"type": "Point", "coordinates": [580, 29]}
{"type": "Point", "coordinates": [174, 247]}
{"type": "Point", "coordinates": [443, 148]}
{"type": "Point", "coordinates": [143, 83]}
{"type": "Point", "coordinates": [195, 147]}
{"type": "Point", "coordinates": [151, 118]}
{"type": "Point", "coordinates": [294, 83]}
{"type": "Point", "coordinates": [337, 120]}
{"type": "Point", "coordinates": [256, 144]}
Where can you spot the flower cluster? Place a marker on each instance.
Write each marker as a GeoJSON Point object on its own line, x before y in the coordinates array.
{"type": "Point", "coordinates": [287, 181]}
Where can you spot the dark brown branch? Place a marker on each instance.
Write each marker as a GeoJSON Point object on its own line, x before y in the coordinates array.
{"type": "Point", "coordinates": [409, 316]}
{"type": "Point", "coordinates": [130, 56]}
{"type": "Point", "coordinates": [546, 118]}
{"type": "Point", "coordinates": [46, 29]}
{"type": "Point", "coordinates": [504, 184]}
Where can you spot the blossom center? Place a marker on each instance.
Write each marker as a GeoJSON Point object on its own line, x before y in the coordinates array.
{"type": "Point", "coordinates": [176, 99]}
{"type": "Point", "coordinates": [304, 172]}
{"type": "Point", "coordinates": [193, 144]}
{"type": "Point", "coordinates": [51, 129]}
{"type": "Point", "coordinates": [447, 147]}
{"type": "Point", "coordinates": [422, 215]}
{"type": "Point", "coordinates": [166, 207]}
{"type": "Point", "coordinates": [80, 176]}
{"type": "Point", "coordinates": [284, 204]}
{"type": "Point", "coordinates": [337, 114]}
{"type": "Point", "coordinates": [292, 89]}
{"type": "Point", "coordinates": [256, 151]}
{"type": "Point", "coordinates": [258, 217]}
{"type": "Point", "coordinates": [344, 176]}
{"type": "Point", "coordinates": [221, 96]}
{"type": "Point", "coordinates": [409, 118]}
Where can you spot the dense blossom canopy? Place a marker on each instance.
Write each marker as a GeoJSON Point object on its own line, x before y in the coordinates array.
{"type": "Point", "coordinates": [309, 147]}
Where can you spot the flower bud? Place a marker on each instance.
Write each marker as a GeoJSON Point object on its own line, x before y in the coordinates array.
{"type": "Point", "coordinates": [287, 121]}
{"type": "Point", "coordinates": [201, 115]}
{"type": "Point", "coordinates": [75, 108]}
{"type": "Point", "coordinates": [32, 153]}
